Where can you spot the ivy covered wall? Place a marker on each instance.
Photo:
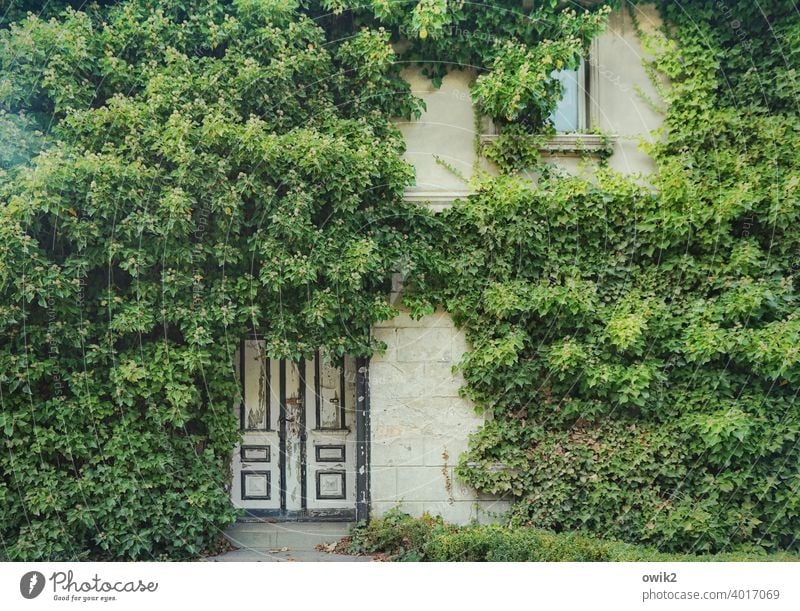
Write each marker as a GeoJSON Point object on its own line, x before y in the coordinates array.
{"type": "Point", "coordinates": [636, 345]}
{"type": "Point", "coordinates": [175, 176]}
{"type": "Point", "coordinates": [187, 176]}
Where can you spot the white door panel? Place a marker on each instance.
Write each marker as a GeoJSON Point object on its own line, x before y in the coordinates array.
{"type": "Point", "coordinates": [256, 476]}
{"type": "Point", "coordinates": [298, 452]}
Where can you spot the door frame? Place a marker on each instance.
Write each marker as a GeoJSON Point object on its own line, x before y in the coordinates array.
{"type": "Point", "coordinates": [361, 511]}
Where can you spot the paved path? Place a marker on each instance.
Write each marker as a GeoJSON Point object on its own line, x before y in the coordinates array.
{"type": "Point", "coordinates": [254, 555]}
{"type": "Point", "coordinates": [285, 542]}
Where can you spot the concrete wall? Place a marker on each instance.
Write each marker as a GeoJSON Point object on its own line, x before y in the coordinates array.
{"type": "Point", "coordinates": [419, 423]}
{"type": "Point", "coordinates": [446, 129]}
{"type": "Point", "coordinates": [622, 102]}
{"type": "Point", "coordinates": [420, 426]}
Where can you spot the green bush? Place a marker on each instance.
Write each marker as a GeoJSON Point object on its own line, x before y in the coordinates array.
{"type": "Point", "coordinates": [429, 539]}
{"type": "Point", "coordinates": [192, 177]}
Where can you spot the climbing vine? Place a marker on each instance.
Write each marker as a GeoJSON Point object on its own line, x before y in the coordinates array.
{"type": "Point", "coordinates": [636, 345]}
{"type": "Point", "coordinates": [175, 176]}
{"type": "Point", "coordinates": [192, 176]}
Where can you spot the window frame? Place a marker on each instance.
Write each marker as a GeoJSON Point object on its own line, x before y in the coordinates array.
{"type": "Point", "coordinates": [582, 102]}
{"type": "Point", "coordinates": [585, 142]}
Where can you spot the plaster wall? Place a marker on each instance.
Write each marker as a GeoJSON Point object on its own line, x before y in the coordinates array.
{"type": "Point", "coordinates": [420, 425]}
{"type": "Point", "coordinates": [622, 102]}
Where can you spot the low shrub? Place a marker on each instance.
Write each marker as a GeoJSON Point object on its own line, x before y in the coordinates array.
{"type": "Point", "coordinates": [404, 538]}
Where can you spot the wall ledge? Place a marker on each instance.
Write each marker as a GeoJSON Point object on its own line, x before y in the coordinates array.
{"type": "Point", "coordinates": [569, 144]}
{"type": "Point", "coordinates": [437, 199]}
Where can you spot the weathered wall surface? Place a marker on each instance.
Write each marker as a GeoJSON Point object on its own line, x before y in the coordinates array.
{"type": "Point", "coordinates": [622, 102]}
{"type": "Point", "coordinates": [420, 425]}
{"type": "Point", "coordinates": [446, 129]}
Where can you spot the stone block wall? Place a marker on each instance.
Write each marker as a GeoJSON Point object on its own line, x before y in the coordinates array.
{"type": "Point", "coordinates": [420, 425]}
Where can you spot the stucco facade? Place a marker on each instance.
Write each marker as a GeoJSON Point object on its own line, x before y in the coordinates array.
{"type": "Point", "coordinates": [419, 424]}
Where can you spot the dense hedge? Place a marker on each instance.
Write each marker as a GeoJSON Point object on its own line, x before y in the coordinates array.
{"type": "Point", "coordinates": [400, 537]}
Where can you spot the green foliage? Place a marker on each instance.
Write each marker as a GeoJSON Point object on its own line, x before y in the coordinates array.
{"type": "Point", "coordinates": [429, 539]}
{"type": "Point", "coordinates": [397, 534]}
{"type": "Point", "coordinates": [174, 177]}
{"type": "Point", "coordinates": [518, 87]}
{"type": "Point", "coordinates": [513, 50]}
{"type": "Point", "coordinates": [190, 177]}
{"type": "Point", "coordinates": [636, 345]}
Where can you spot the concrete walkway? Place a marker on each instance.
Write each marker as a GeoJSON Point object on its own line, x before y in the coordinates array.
{"type": "Point", "coordinates": [285, 542]}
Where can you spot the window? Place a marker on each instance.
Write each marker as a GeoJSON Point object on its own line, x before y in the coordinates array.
{"type": "Point", "coordinates": [570, 113]}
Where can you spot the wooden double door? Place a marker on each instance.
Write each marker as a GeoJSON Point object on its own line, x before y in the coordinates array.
{"type": "Point", "coordinates": [298, 454]}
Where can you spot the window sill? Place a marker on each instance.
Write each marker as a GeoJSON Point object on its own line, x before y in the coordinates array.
{"type": "Point", "coordinates": [560, 145]}
{"type": "Point", "coordinates": [574, 145]}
